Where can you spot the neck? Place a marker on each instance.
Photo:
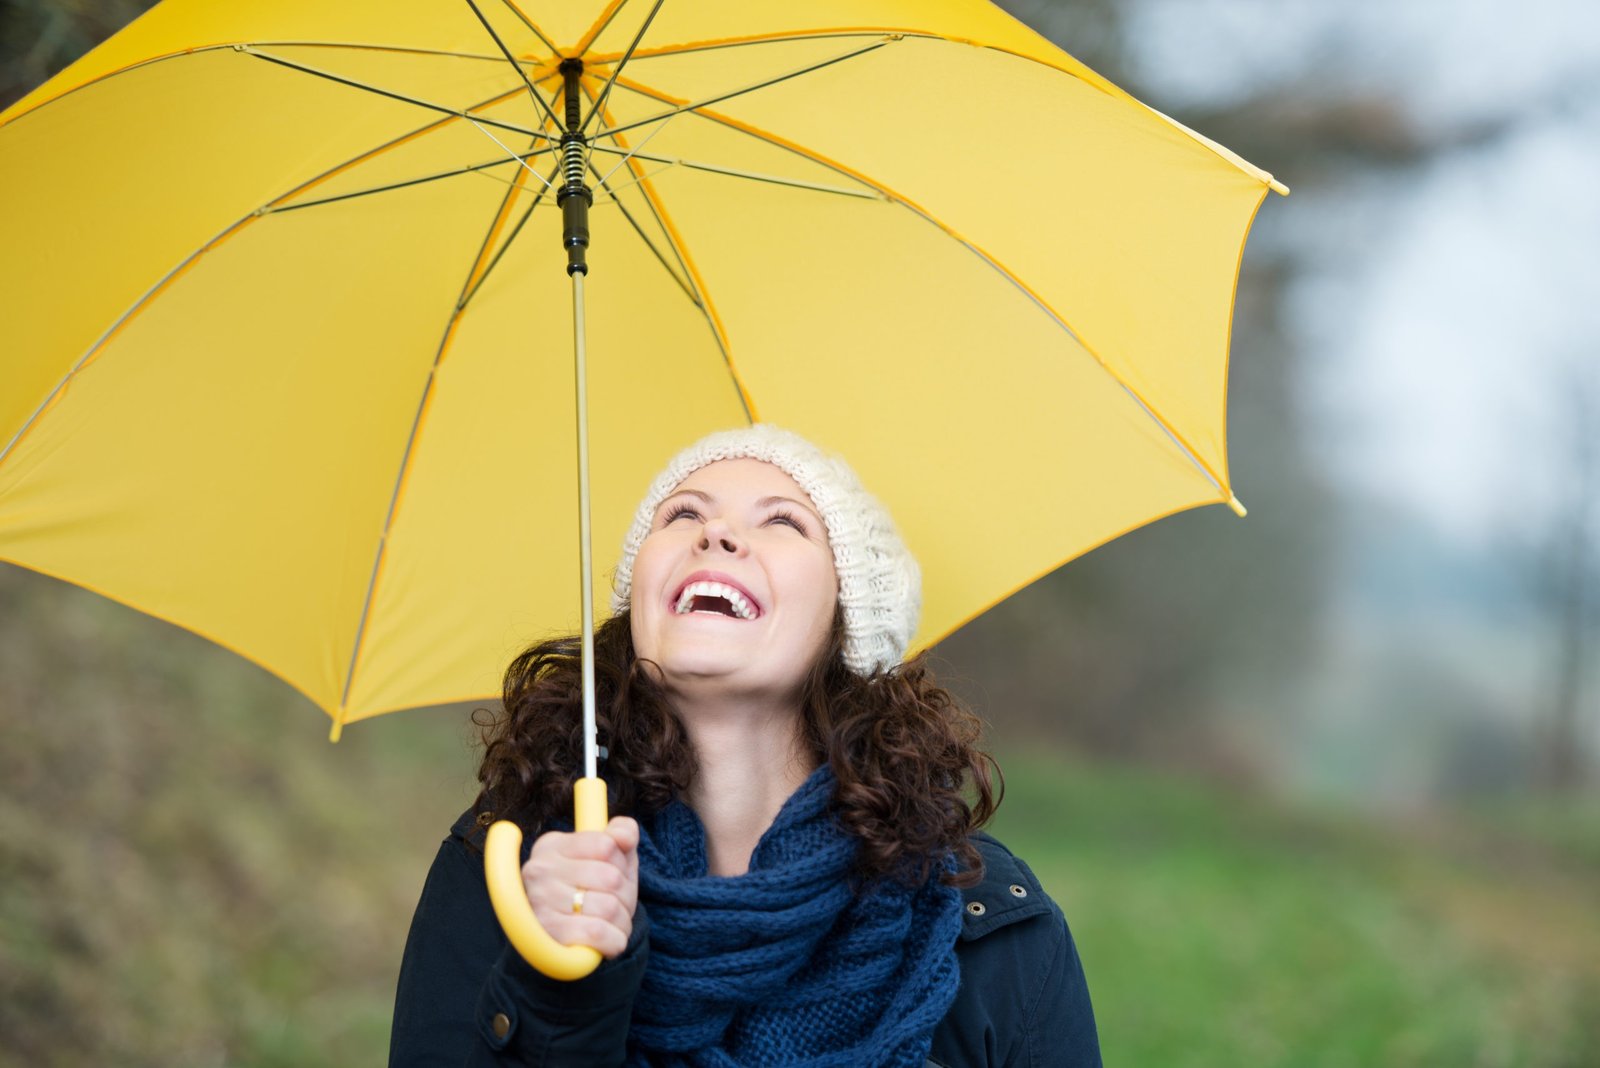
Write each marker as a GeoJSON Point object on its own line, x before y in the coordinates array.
{"type": "Point", "coordinates": [748, 763]}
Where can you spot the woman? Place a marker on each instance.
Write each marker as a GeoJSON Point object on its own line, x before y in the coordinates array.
{"type": "Point", "coordinates": [795, 874]}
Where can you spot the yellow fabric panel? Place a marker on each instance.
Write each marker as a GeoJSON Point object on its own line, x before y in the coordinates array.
{"type": "Point", "coordinates": [1151, 222]}
{"type": "Point", "coordinates": [227, 460]}
{"type": "Point", "coordinates": [971, 20]}
{"type": "Point", "coordinates": [98, 202]}
{"type": "Point", "coordinates": [482, 557]}
{"type": "Point", "coordinates": [175, 26]}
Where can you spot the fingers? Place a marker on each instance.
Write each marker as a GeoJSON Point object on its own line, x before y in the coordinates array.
{"type": "Point", "coordinates": [586, 845]}
{"type": "Point", "coordinates": [625, 832]}
{"type": "Point", "coordinates": [591, 875]}
{"type": "Point", "coordinates": [609, 938]}
{"type": "Point", "coordinates": [605, 923]}
{"type": "Point", "coordinates": [605, 865]}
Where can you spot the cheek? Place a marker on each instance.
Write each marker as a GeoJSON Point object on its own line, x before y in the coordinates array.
{"type": "Point", "coordinates": [644, 646]}
{"type": "Point", "coordinates": [649, 566]}
{"type": "Point", "coordinates": [825, 600]}
{"type": "Point", "coordinates": [644, 596]}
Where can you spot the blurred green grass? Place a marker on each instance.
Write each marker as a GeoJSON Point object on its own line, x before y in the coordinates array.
{"type": "Point", "coordinates": [191, 875]}
{"type": "Point", "coordinates": [1222, 928]}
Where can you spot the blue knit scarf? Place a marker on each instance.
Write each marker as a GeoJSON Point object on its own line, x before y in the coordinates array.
{"type": "Point", "coordinates": [786, 964]}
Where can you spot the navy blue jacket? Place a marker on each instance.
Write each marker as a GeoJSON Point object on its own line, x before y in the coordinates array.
{"type": "Point", "coordinates": [467, 998]}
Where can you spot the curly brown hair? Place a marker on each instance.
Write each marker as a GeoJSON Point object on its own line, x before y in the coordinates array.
{"type": "Point", "coordinates": [903, 749]}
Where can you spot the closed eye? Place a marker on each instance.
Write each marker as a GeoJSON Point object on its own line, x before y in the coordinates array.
{"type": "Point", "coordinates": [677, 512]}
{"type": "Point", "coordinates": [787, 517]}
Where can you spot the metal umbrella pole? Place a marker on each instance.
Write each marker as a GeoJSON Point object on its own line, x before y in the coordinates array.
{"type": "Point", "coordinates": [575, 199]}
{"type": "Point", "coordinates": [502, 849]}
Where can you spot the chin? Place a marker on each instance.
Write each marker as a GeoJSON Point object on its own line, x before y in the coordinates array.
{"type": "Point", "coordinates": [700, 667]}
{"type": "Point", "coordinates": [696, 661]}
{"type": "Point", "coordinates": [704, 677]}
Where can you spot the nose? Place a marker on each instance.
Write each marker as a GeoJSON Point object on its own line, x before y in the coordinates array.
{"type": "Point", "coordinates": [717, 534]}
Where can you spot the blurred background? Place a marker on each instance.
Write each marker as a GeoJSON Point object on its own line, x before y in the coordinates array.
{"type": "Point", "coordinates": [1318, 787]}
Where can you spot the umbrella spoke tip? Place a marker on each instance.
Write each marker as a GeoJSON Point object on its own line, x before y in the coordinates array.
{"type": "Point", "coordinates": [1238, 508]}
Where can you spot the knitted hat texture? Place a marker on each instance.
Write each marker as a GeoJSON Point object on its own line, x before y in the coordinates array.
{"type": "Point", "coordinates": [880, 586]}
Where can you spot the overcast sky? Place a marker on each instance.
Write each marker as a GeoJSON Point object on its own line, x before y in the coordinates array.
{"type": "Point", "coordinates": [1439, 310]}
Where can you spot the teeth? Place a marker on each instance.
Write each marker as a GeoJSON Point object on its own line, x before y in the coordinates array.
{"type": "Point", "coordinates": [741, 605]}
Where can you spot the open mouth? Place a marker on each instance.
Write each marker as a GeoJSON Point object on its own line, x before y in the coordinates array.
{"type": "Point", "coordinates": [715, 598]}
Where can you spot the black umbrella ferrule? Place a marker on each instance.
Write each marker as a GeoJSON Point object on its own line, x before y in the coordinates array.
{"type": "Point", "coordinates": [574, 196]}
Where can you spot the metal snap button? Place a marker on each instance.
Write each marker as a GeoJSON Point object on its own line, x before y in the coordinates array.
{"type": "Point", "coordinates": [501, 1025]}
{"type": "Point", "coordinates": [1018, 891]}
{"type": "Point", "coordinates": [976, 908]}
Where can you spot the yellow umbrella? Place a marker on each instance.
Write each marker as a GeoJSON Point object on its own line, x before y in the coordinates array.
{"type": "Point", "coordinates": [287, 361]}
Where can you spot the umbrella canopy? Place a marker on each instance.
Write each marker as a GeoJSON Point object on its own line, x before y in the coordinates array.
{"type": "Point", "coordinates": [287, 352]}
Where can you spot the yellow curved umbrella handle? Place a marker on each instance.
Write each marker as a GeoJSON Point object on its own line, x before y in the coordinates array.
{"type": "Point", "coordinates": [502, 853]}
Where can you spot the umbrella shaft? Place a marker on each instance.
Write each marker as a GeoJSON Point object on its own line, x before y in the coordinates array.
{"type": "Point", "coordinates": [575, 199]}
{"type": "Point", "coordinates": [585, 556]}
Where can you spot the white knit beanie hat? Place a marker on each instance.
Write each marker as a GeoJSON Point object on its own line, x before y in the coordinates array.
{"type": "Point", "coordinates": [880, 587]}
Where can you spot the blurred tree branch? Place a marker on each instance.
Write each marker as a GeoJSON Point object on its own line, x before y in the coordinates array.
{"type": "Point", "coordinates": [1571, 573]}
{"type": "Point", "coordinates": [40, 37]}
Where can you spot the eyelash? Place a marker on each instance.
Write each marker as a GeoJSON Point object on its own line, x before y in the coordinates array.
{"type": "Point", "coordinates": [787, 517]}
{"type": "Point", "coordinates": [679, 510]}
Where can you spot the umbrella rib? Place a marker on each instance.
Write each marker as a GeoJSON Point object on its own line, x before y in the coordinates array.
{"type": "Point", "coordinates": [470, 169]}
{"type": "Point", "coordinates": [1005, 272]}
{"type": "Point", "coordinates": [183, 264]}
{"type": "Point", "coordinates": [423, 402]}
{"type": "Point", "coordinates": [699, 296]}
{"type": "Point", "coordinates": [1082, 74]}
{"type": "Point", "coordinates": [391, 94]}
{"type": "Point", "coordinates": [512, 236]}
{"type": "Point", "coordinates": [532, 89]}
{"type": "Point", "coordinates": [617, 68]}
{"type": "Point", "coordinates": [270, 207]}
{"type": "Point", "coordinates": [708, 101]}
{"type": "Point", "coordinates": [733, 172]}
{"type": "Point", "coordinates": [599, 26]}
{"type": "Point", "coordinates": [593, 146]}
{"type": "Point", "coordinates": [641, 177]}
{"type": "Point", "coordinates": [515, 156]}
{"type": "Point", "coordinates": [648, 193]}
{"type": "Point", "coordinates": [768, 38]}
{"type": "Point", "coordinates": [237, 47]}
{"type": "Point", "coordinates": [516, 230]}
{"type": "Point", "coordinates": [532, 26]}
{"type": "Point", "coordinates": [626, 214]}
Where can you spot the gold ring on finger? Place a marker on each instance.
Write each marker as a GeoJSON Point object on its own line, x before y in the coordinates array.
{"type": "Point", "coordinates": [577, 902]}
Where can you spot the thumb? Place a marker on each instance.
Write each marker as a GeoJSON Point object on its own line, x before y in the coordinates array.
{"type": "Point", "coordinates": [624, 831]}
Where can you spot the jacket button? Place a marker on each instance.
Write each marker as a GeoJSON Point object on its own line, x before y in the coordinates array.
{"type": "Point", "coordinates": [1018, 891]}
{"type": "Point", "coordinates": [976, 908]}
{"type": "Point", "coordinates": [501, 1025]}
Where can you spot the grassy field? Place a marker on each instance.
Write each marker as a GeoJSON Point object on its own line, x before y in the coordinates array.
{"type": "Point", "coordinates": [190, 875]}
{"type": "Point", "coordinates": [1224, 929]}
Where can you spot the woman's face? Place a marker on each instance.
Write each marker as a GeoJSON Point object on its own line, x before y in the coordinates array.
{"type": "Point", "coordinates": [734, 588]}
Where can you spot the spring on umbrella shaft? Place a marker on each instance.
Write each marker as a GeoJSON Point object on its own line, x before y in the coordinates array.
{"type": "Point", "coordinates": [574, 195]}
{"type": "Point", "coordinates": [572, 162]}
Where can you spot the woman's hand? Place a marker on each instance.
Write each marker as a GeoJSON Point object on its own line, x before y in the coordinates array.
{"type": "Point", "coordinates": [605, 866]}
